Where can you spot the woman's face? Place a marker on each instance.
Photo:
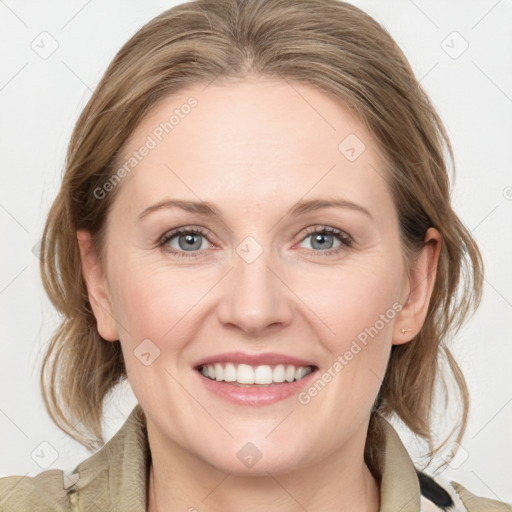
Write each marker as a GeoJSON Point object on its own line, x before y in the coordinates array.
{"type": "Point", "coordinates": [264, 269]}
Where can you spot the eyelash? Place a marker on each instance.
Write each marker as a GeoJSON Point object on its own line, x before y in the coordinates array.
{"type": "Point", "coordinates": [345, 240]}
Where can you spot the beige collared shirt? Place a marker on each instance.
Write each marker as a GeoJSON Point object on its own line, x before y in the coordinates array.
{"type": "Point", "coordinates": [115, 478]}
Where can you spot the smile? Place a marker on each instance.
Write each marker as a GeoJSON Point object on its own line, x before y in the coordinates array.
{"type": "Point", "coordinates": [244, 374]}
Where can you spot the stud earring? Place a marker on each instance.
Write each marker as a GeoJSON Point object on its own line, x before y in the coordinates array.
{"type": "Point", "coordinates": [403, 331]}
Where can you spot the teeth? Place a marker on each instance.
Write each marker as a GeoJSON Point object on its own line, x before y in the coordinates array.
{"type": "Point", "coordinates": [245, 374]}
{"type": "Point", "coordinates": [278, 375]}
{"type": "Point", "coordinates": [263, 374]}
{"type": "Point", "coordinates": [229, 373]}
{"type": "Point", "coordinates": [300, 372]}
{"type": "Point", "coordinates": [219, 372]}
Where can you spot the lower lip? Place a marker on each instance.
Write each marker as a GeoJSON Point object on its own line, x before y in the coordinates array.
{"type": "Point", "coordinates": [254, 394]}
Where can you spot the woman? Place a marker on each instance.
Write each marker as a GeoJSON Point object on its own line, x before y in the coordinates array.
{"type": "Point", "coordinates": [257, 200]}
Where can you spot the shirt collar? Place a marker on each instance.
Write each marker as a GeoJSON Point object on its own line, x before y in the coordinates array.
{"type": "Point", "coordinates": [117, 473]}
{"type": "Point", "coordinates": [399, 487]}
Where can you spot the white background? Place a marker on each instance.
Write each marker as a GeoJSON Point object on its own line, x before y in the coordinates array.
{"type": "Point", "coordinates": [41, 99]}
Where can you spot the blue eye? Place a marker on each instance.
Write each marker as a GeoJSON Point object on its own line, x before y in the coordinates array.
{"type": "Point", "coordinates": [185, 240]}
{"type": "Point", "coordinates": [191, 242]}
{"type": "Point", "coordinates": [327, 240]}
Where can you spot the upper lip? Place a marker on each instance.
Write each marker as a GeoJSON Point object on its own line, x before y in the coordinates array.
{"type": "Point", "coordinates": [269, 358]}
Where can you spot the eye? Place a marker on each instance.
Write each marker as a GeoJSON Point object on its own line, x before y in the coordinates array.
{"type": "Point", "coordinates": [191, 242]}
{"type": "Point", "coordinates": [181, 241]}
{"type": "Point", "coordinates": [327, 240]}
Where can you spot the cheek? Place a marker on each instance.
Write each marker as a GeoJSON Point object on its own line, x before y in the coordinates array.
{"type": "Point", "coordinates": [354, 299]}
{"type": "Point", "coordinates": [152, 300]}
{"type": "Point", "coordinates": [155, 306]}
{"type": "Point", "coordinates": [359, 306]}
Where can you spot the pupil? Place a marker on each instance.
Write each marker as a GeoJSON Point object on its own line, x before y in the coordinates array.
{"type": "Point", "coordinates": [320, 238]}
{"type": "Point", "coordinates": [191, 241]}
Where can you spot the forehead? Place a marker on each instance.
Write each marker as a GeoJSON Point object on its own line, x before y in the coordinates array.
{"type": "Point", "coordinates": [255, 140]}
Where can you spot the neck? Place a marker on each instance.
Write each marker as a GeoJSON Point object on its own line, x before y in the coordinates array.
{"type": "Point", "coordinates": [179, 480]}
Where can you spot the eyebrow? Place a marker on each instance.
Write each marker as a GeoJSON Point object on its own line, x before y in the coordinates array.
{"type": "Point", "coordinates": [301, 207]}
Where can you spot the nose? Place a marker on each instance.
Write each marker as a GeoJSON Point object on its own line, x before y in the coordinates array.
{"type": "Point", "coordinates": [255, 297]}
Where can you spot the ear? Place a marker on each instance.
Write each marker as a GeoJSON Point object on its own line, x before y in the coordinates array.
{"type": "Point", "coordinates": [418, 290]}
{"type": "Point", "coordinates": [97, 287]}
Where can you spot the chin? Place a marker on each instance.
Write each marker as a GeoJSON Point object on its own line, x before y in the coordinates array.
{"type": "Point", "coordinates": [248, 458]}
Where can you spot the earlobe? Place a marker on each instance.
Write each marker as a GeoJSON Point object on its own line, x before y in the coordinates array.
{"type": "Point", "coordinates": [418, 290]}
{"type": "Point", "coordinates": [97, 287]}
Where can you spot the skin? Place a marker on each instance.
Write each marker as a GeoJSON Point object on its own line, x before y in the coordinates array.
{"type": "Point", "coordinates": [254, 148]}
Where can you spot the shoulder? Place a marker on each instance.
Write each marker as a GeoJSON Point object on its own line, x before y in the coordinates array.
{"type": "Point", "coordinates": [404, 487]}
{"type": "Point", "coordinates": [438, 494]}
{"type": "Point", "coordinates": [113, 476]}
{"type": "Point", "coordinates": [44, 492]}
{"type": "Point", "coordinates": [474, 503]}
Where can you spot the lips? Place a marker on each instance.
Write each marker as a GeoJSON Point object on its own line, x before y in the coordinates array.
{"type": "Point", "coordinates": [255, 394]}
{"type": "Point", "coordinates": [254, 379]}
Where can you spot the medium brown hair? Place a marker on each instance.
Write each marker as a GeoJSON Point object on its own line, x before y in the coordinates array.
{"type": "Point", "coordinates": [328, 44]}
